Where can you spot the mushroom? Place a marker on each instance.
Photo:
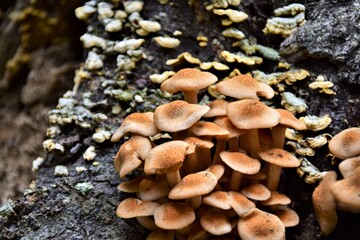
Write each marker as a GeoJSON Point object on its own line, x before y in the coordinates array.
{"type": "Point", "coordinates": [278, 158]}
{"type": "Point", "coordinates": [244, 87]}
{"type": "Point", "coordinates": [257, 192]}
{"type": "Point", "coordinates": [240, 203]}
{"type": "Point", "coordinates": [218, 199]}
{"type": "Point", "coordinates": [161, 234]}
{"type": "Point", "coordinates": [150, 190]}
{"type": "Point", "coordinates": [174, 216]}
{"type": "Point", "coordinates": [217, 108]}
{"type": "Point", "coordinates": [260, 225]}
{"type": "Point", "coordinates": [166, 158]}
{"type": "Point", "coordinates": [251, 115]}
{"type": "Point", "coordinates": [346, 144]}
{"type": "Point", "coordinates": [131, 186]}
{"type": "Point", "coordinates": [178, 115]}
{"type": "Point", "coordinates": [347, 192]}
{"type": "Point", "coordinates": [324, 203]}
{"type": "Point", "coordinates": [241, 164]}
{"type": "Point", "coordinates": [276, 199]}
{"type": "Point", "coordinates": [133, 207]}
{"type": "Point", "coordinates": [287, 119]}
{"type": "Point", "coordinates": [193, 186]}
{"type": "Point", "coordinates": [131, 154]}
{"type": "Point", "coordinates": [348, 166]}
{"type": "Point", "coordinates": [288, 216]}
{"type": "Point", "coordinates": [189, 81]}
{"type": "Point", "coordinates": [216, 223]}
{"type": "Point", "coordinates": [138, 123]}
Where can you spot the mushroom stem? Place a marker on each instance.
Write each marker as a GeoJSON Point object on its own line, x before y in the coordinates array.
{"type": "Point", "coordinates": [235, 181]}
{"type": "Point", "coordinates": [278, 136]}
{"type": "Point", "coordinates": [273, 177]}
{"type": "Point", "coordinates": [147, 223]}
{"type": "Point", "coordinates": [220, 147]}
{"type": "Point", "coordinates": [253, 141]}
{"type": "Point", "coordinates": [205, 158]}
{"type": "Point", "coordinates": [191, 97]}
{"type": "Point", "coordinates": [173, 178]}
{"type": "Point", "coordinates": [195, 202]}
{"type": "Point", "coordinates": [233, 144]}
{"type": "Point", "coordinates": [191, 163]}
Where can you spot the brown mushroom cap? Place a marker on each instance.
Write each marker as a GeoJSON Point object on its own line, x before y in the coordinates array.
{"type": "Point", "coordinates": [225, 123]}
{"type": "Point", "coordinates": [279, 157]}
{"type": "Point", "coordinates": [217, 108]}
{"type": "Point", "coordinates": [188, 79]}
{"type": "Point", "coordinates": [240, 203]}
{"type": "Point", "coordinates": [324, 203]}
{"type": "Point", "coordinates": [178, 115]}
{"type": "Point", "coordinates": [195, 143]}
{"type": "Point", "coordinates": [173, 216]}
{"type": "Point", "coordinates": [133, 207]}
{"type": "Point", "coordinates": [218, 199]}
{"type": "Point", "coordinates": [193, 185]}
{"type": "Point", "coordinates": [244, 87]}
{"type": "Point", "coordinates": [216, 224]}
{"type": "Point", "coordinates": [260, 225]}
{"type": "Point", "coordinates": [346, 144]}
{"type": "Point", "coordinates": [150, 189]}
{"type": "Point", "coordinates": [256, 192]}
{"type": "Point", "coordinates": [131, 186]}
{"type": "Point", "coordinates": [131, 154]}
{"type": "Point", "coordinates": [276, 198]}
{"type": "Point", "coordinates": [241, 162]}
{"type": "Point", "coordinates": [165, 157]}
{"type": "Point", "coordinates": [289, 120]}
{"type": "Point", "coordinates": [347, 192]}
{"type": "Point", "coordinates": [138, 123]}
{"type": "Point", "coordinates": [208, 129]}
{"type": "Point", "coordinates": [348, 166]}
{"type": "Point", "coordinates": [288, 216]}
{"type": "Point", "coordinates": [252, 114]}
{"type": "Point", "coordinates": [216, 169]}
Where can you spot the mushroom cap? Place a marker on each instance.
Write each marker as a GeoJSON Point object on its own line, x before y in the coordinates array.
{"type": "Point", "coordinates": [173, 216]}
{"type": "Point", "coordinates": [131, 186]}
{"type": "Point", "coordinates": [251, 114]}
{"type": "Point", "coordinates": [244, 87]}
{"type": "Point", "coordinates": [217, 108]}
{"type": "Point", "coordinates": [195, 184]}
{"type": "Point", "coordinates": [138, 123]}
{"type": "Point", "coordinates": [208, 129]}
{"type": "Point", "coordinates": [166, 157]}
{"type": "Point", "coordinates": [240, 203]}
{"type": "Point", "coordinates": [289, 120]}
{"type": "Point", "coordinates": [346, 192]}
{"type": "Point", "coordinates": [188, 79]}
{"type": "Point", "coordinates": [288, 216]}
{"type": "Point", "coordinates": [218, 199]}
{"type": "Point", "coordinates": [133, 207]}
{"type": "Point", "coordinates": [178, 115]}
{"type": "Point", "coordinates": [348, 166]}
{"type": "Point", "coordinates": [216, 223]}
{"type": "Point", "coordinates": [131, 154]}
{"type": "Point", "coordinates": [279, 157]}
{"type": "Point", "coordinates": [346, 144]}
{"type": "Point", "coordinates": [225, 123]}
{"type": "Point", "coordinates": [240, 162]}
{"type": "Point", "coordinates": [195, 143]}
{"type": "Point", "coordinates": [324, 203]}
{"type": "Point", "coordinates": [260, 225]}
{"type": "Point", "coordinates": [276, 198]}
{"type": "Point", "coordinates": [150, 189]}
{"type": "Point", "coordinates": [216, 169]}
{"type": "Point", "coordinates": [256, 192]}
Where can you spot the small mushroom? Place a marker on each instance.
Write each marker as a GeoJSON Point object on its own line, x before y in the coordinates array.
{"type": "Point", "coordinates": [240, 203]}
{"type": "Point", "coordinates": [173, 216]}
{"type": "Point", "coordinates": [218, 199]}
{"type": "Point", "coordinates": [189, 81]}
{"type": "Point", "coordinates": [346, 144]}
{"type": "Point", "coordinates": [348, 166]}
{"type": "Point", "coordinates": [216, 223]}
{"type": "Point", "coordinates": [324, 203]}
{"type": "Point", "coordinates": [257, 192]}
{"type": "Point", "coordinates": [288, 216]}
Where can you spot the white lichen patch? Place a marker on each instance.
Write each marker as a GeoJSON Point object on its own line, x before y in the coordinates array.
{"type": "Point", "coordinates": [90, 41]}
{"type": "Point", "coordinates": [37, 163]}
{"type": "Point", "coordinates": [125, 63]}
{"type": "Point", "coordinates": [310, 173]}
{"type": "Point", "coordinates": [183, 56]}
{"type": "Point", "coordinates": [50, 145]}
{"type": "Point", "coordinates": [233, 33]}
{"type": "Point", "coordinates": [284, 26]}
{"type": "Point", "coordinates": [84, 187]}
{"type": "Point", "coordinates": [80, 169]}
{"type": "Point", "coordinates": [322, 84]}
{"type": "Point", "coordinates": [150, 26]}
{"type": "Point", "coordinates": [240, 58]}
{"type": "Point", "coordinates": [53, 131]}
{"type": "Point", "coordinates": [292, 103]}
{"type": "Point", "coordinates": [133, 6]}
{"type": "Point", "coordinates": [234, 15]}
{"type": "Point", "coordinates": [128, 44]}
{"type": "Point", "coordinates": [291, 9]}
{"type": "Point", "coordinates": [317, 141]}
{"type": "Point", "coordinates": [84, 12]}
{"type": "Point", "coordinates": [167, 42]}
{"type": "Point", "coordinates": [101, 135]}
{"type": "Point", "coordinates": [89, 153]}
{"type": "Point", "coordinates": [315, 123]}
{"type": "Point", "coordinates": [105, 10]}
{"type": "Point", "coordinates": [216, 65]}
{"type": "Point", "coordinates": [300, 150]}
{"type": "Point", "coordinates": [113, 25]}
{"type": "Point", "coordinates": [61, 171]}
{"type": "Point", "coordinates": [294, 135]}
{"type": "Point", "coordinates": [159, 78]}
{"type": "Point", "coordinates": [93, 61]}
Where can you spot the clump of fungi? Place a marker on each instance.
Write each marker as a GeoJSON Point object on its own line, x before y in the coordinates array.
{"type": "Point", "coordinates": [344, 194]}
{"type": "Point", "coordinates": [219, 173]}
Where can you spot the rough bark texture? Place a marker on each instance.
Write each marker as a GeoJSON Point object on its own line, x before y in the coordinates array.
{"type": "Point", "coordinates": [56, 210]}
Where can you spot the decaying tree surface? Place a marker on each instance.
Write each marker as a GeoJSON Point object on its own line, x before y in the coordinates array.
{"type": "Point", "coordinates": [56, 210]}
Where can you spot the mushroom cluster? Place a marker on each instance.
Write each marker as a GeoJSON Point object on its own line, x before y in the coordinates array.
{"type": "Point", "coordinates": [344, 194]}
{"type": "Point", "coordinates": [219, 172]}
